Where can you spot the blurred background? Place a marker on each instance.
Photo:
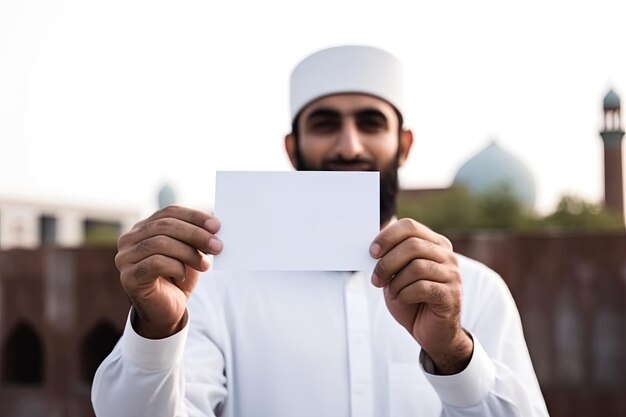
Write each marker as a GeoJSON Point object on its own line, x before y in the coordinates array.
{"type": "Point", "coordinates": [110, 109]}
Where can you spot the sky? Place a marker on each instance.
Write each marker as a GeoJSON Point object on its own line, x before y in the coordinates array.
{"type": "Point", "coordinates": [103, 102]}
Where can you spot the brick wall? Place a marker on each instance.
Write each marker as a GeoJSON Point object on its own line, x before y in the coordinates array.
{"type": "Point", "coordinates": [570, 289]}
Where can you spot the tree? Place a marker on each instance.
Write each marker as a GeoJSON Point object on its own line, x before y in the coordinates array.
{"type": "Point", "coordinates": [456, 209]}
{"type": "Point", "coordinates": [449, 210]}
{"type": "Point", "coordinates": [499, 208]}
{"type": "Point", "coordinates": [574, 212]}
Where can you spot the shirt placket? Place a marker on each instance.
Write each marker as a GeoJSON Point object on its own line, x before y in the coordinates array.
{"type": "Point", "coordinates": [359, 347]}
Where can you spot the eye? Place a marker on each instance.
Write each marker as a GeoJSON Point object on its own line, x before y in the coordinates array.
{"type": "Point", "coordinates": [324, 125]}
{"type": "Point", "coordinates": [372, 123]}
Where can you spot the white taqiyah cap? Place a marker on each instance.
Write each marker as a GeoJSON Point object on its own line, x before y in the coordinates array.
{"type": "Point", "coordinates": [347, 69]}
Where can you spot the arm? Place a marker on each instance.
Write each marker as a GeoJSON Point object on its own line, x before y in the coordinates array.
{"type": "Point", "coordinates": [483, 372]}
{"type": "Point", "coordinates": [500, 379]}
{"type": "Point", "coordinates": [159, 262]}
{"type": "Point", "coordinates": [181, 375]}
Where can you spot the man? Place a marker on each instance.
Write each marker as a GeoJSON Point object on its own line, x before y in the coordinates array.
{"type": "Point", "coordinates": [427, 332]}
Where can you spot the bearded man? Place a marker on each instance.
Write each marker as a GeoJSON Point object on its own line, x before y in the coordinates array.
{"type": "Point", "coordinates": [428, 332]}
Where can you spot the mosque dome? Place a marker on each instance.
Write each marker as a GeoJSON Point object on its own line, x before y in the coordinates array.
{"type": "Point", "coordinates": [494, 167]}
{"type": "Point", "coordinates": [611, 101]}
{"type": "Point", "coordinates": [166, 196]}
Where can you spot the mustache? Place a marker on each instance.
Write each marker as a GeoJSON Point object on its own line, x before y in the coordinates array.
{"type": "Point", "coordinates": [330, 163]}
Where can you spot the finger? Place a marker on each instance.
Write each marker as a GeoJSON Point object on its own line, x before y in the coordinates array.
{"type": "Point", "coordinates": [424, 291]}
{"type": "Point", "coordinates": [163, 245]}
{"type": "Point", "coordinates": [191, 234]}
{"type": "Point", "coordinates": [402, 230]}
{"type": "Point", "coordinates": [151, 268]}
{"type": "Point", "coordinates": [197, 217]}
{"type": "Point", "coordinates": [402, 255]}
{"type": "Point", "coordinates": [418, 269]}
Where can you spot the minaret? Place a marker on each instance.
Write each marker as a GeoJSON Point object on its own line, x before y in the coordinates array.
{"type": "Point", "coordinates": [166, 196]}
{"type": "Point", "coordinates": [612, 135]}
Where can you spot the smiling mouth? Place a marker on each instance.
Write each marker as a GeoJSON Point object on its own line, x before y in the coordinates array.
{"type": "Point", "coordinates": [349, 166]}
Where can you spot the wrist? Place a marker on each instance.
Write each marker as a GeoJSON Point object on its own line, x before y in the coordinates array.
{"type": "Point", "coordinates": [455, 358]}
{"type": "Point", "coordinates": [150, 329]}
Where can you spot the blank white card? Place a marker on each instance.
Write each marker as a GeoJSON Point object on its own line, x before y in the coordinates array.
{"type": "Point", "coordinates": [296, 220]}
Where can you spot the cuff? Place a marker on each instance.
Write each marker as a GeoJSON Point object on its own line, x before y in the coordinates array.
{"type": "Point", "coordinates": [149, 354]}
{"type": "Point", "coordinates": [469, 386]}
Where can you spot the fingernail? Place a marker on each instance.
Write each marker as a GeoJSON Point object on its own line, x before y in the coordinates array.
{"type": "Point", "coordinates": [215, 245]}
{"type": "Point", "coordinates": [375, 249]}
{"type": "Point", "coordinates": [212, 225]}
{"type": "Point", "coordinates": [206, 262]}
{"type": "Point", "coordinates": [375, 280]}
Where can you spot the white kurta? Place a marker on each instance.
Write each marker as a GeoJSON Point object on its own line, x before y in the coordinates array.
{"type": "Point", "coordinates": [317, 344]}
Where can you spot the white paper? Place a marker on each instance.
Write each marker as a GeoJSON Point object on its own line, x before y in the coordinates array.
{"type": "Point", "coordinates": [297, 220]}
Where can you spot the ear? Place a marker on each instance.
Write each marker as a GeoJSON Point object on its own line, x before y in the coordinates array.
{"type": "Point", "coordinates": [290, 147]}
{"type": "Point", "coordinates": [406, 142]}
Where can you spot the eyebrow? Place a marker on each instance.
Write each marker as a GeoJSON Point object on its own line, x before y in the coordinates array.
{"type": "Point", "coordinates": [323, 112]}
{"type": "Point", "coordinates": [371, 112]}
{"type": "Point", "coordinates": [327, 112]}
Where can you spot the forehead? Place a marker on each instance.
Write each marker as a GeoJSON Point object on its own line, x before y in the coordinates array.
{"type": "Point", "coordinates": [348, 104]}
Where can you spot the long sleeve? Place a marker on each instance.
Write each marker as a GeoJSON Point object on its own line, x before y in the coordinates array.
{"type": "Point", "coordinates": [500, 379]}
{"type": "Point", "coordinates": [143, 377]}
{"type": "Point", "coordinates": [249, 326]}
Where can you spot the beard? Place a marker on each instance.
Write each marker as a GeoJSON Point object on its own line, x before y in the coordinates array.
{"type": "Point", "coordinates": [389, 184]}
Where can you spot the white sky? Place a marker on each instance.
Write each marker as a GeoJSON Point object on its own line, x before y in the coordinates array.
{"type": "Point", "coordinates": [101, 102]}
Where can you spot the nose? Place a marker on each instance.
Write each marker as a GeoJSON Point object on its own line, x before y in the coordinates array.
{"type": "Point", "coordinates": [349, 145]}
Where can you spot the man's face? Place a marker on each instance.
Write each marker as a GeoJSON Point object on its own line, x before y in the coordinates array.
{"type": "Point", "coordinates": [352, 132]}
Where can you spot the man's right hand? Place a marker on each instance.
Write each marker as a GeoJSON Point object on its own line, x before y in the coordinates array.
{"type": "Point", "coordinates": [160, 260]}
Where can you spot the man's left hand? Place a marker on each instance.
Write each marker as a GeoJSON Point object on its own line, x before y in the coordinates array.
{"type": "Point", "coordinates": [421, 281]}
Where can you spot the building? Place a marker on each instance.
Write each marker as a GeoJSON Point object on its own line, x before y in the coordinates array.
{"type": "Point", "coordinates": [494, 166]}
{"type": "Point", "coordinates": [61, 305]}
{"type": "Point", "coordinates": [30, 224]}
{"type": "Point", "coordinates": [612, 135]}
{"type": "Point", "coordinates": [61, 312]}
